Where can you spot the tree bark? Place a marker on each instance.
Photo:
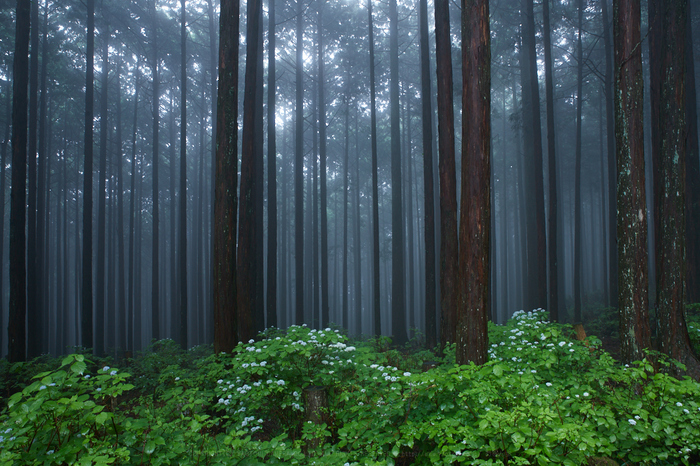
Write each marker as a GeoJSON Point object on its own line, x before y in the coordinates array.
{"type": "Point", "coordinates": [692, 173]}
{"type": "Point", "coordinates": [121, 283]}
{"type": "Point", "coordinates": [631, 201]}
{"type": "Point", "coordinates": [132, 219]}
{"type": "Point", "coordinates": [101, 271]}
{"type": "Point", "coordinates": [578, 266]}
{"type": "Point", "coordinates": [155, 263]}
{"type": "Point", "coordinates": [376, 296]}
{"type": "Point", "coordinates": [86, 320]}
{"type": "Point", "coordinates": [16, 331]}
{"type": "Point", "coordinates": [670, 190]}
{"type": "Point", "coordinates": [182, 237]}
{"type": "Point", "coordinates": [271, 174]}
{"type": "Point", "coordinates": [475, 211]}
{"type": "Point", "coordinates": [448, 178]}
{"type": "Point", "coordinates": [299, 170]}
{"type": "Point", "coordinates": [398, 291]}
{"type": "Point", "coordinates": [552, 257]}
{"type": "Point", "coordinates": [323, 169]}
{"type": "Point", "coordinates": [247, 236]}
{"type": "Point", "coordinates": [225, 199]}
{"type": "Point", "coordinates": [429, 203]}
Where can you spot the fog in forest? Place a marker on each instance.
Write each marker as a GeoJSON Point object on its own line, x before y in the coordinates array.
{"type": "Point", "coordinates": [141, 117]}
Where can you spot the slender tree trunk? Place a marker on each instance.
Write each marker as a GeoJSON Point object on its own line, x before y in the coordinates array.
{"type": "Point", "coordinates": [398, 298]}
{"type": "Point", "coordinates": [376, 296]}
{"type": "Point", "coordinates": [121, 282]}
{"type": "Point", "coordinates": [578, 266]}
{"type": "Point", "coordinates": [35, 317]}
{"type": "Point", "coordinates": [475, 211]}
{"type": "Point", "coordinates": [346, 151]}
{"type": "Point", "coordinates": [16, 331]}
{"type": "Point", "coordinates": [132, 219]}
{"type": "Point", "coordinates": [3, 187]}
{"type": "Point", "coordinates": [692, 173]}
{"type": "Point", "coordinates": [670, 189]}
{"type": "Point", "coordinates": [552, 168]}
{"type": "Point", "coordinates": [225, 200]}
{"type": "Point", "coordinates": [86, 320]}
{"type": "Point", "coordinates": [271, 173]}
{"type": "Point", "coordinates": [323, 169]}
{"type": "Point", "coordinates": [612, 164]}
{"type": "Point", "coordinates": [536, 238]}
{"type": "Point", "coordinates": [247, 237]}
{"type": "Point", "coordinates": [155, 277]}
{"type": "Point", "coordinates": [429, 203]}
{"type": "Point", "coordinates": [299, 169]}
{"type": "Point", "coordinates": [448, 178]}
{"type": "Point", "coordinates": [182, 238]}
{"type": "Point", "coordinates": [100, 301]}
{"type": "Point", "coordinates": [356, 222]}
{"type": "Point", "coordinates": [631, 200]}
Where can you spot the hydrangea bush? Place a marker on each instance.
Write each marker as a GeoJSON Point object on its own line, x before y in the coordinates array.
{"type": "Point", "coordinates": [544, 398]}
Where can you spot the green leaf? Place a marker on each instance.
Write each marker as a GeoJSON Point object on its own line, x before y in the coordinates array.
{"type": "Point", "coordinates": [150, 447]}
{"type": "Point", "coordinates": [102, 418]}
{"type": "Point", "coordinates": [497, 370]}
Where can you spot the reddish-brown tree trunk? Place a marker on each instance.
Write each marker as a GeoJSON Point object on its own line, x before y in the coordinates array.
{"type": "Point", "coordinates": [475, 211]}
{"type": "Point", "coordinates": [225, 199]}
{"type": "Point", "coordinates": [631, 202]}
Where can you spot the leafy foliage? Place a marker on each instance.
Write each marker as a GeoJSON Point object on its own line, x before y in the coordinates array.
{"type": "Point", "coordinates": [542, 399]}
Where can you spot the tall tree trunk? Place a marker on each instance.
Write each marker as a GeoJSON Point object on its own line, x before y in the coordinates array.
{"type": "Point", "coordinates": [692, 173]}
{"type": "Point", "coordinates": [132, 219]}
{"type": "Point", "coordinates": [429, 203]}
{"type": "Point", "coordinates": [398, 298]}
{"type": "Point", "coordinates": [155, 263]}
{"type": "Point", "coordinates": [346, 152]}
{"type": "Point", "coordinates": [578, 266]}
{"type": "Point", "coordinates": [475, 210]}
{"type": "Point", "coordinates": [356, 234]}
{"type": "Point", "coordinates": [376, 296]}
{"type": "Point", "coordinates": [247, 240]}
{"type": "Point", "coordinates": [121, 283]}
{"type": "Point", "coordinates": [3, 187]}
{"type": "Point", "coordinates": [100, 301]}
{"type": "Point", "coordinates": [16, 330]}
{"type": "Point", "coordinates": [299, 170]}
{"type": "Point", "coordinates": [225, 200]}
{"type": "Point", "coordinates": [536, 238]}
{"type": "Point", "coordinates": [552, 168]}
{"type": "Point", "coordinates": [86, 320]}
{"type": "Point", "coordinates": [42, 238]}
{"type": "Point", "coordinates": [669, 193]}
{"type": "Point", "coordinates": [323, 182]}
{"type": "Point", "coordinates": [631, 200]}
{"type": "Point", "coordinates": [271, 173]}
{"type": "Point", "coordinates": [182, 238]}
{"type": "Point", "coordinates": [448, 175]}
{"type": "Point", "coordinates": [258, 193]}
{"type": "Point", "coordinates": [612, 164]}
{"type": "Point", "coordinates": [35, 317]}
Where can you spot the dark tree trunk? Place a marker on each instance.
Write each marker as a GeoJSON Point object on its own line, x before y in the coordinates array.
{"type": "Point", "coordinates": [271, 174]}
{"type": "Point", "coordinates": [323, 182]}
{"type": "Point", "coordinates": [35, 317]}
{"type": "Point", "coordinates": [429, 203]}
{"type": "Point", "coordinates": [692, 173]}
{"type": "Point", "coordinates": [132, 219]}
{"type": "Point", "coordinates": [16, 331]}
{"type": "Point", "coordinates": [552, 167]}
{"type": "Point", "coordinates": [225, 200]}
{"type": "Point", "coordinates": [100, 301]}
{"type": "Point", "coordinates": [398, 293]}
{"type": "Point", "coordinates": [3, 187]}
{"type": "Point", "coordinates": [376, 296]}
{"type": "Point", "coordinates": [578, 266]}
{"type": "Point", "coordinates": [612, 164]}
{"type": "Point", "coordinates": [182, 238]}
{"type": "Point", "coordinates": [536, 238]}
{"type": "Point", "coordinates": [299, 170]}
{"type": "Point", "coordinates": [155, 263]}
{"type": "Point", "coordinates": [475, 210]}
{"type": "Point", "coordinates": [669, 194]}
{"type": "Point", "coordinates": [346, 152]}
{"type": "Point", "coordinates": [356, 234]}
{"type": "Point", "coordinates": [121, 283]}
{"type": "Point", "coordinates": [448, 177]}
{"type": "Point", "coordinates": [247, 236]}
{"type": "Point", "coordinates": [631, 200]}
{"type": "Point", "coordinates": [86, 320]}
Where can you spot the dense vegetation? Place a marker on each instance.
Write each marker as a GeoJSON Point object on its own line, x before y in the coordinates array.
{"type": "Point", "coordinates": [544, 397]}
